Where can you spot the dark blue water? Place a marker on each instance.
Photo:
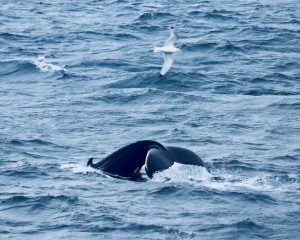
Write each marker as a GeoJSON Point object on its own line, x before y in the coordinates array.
{"type": "Point", "coordinates": [79, 79]}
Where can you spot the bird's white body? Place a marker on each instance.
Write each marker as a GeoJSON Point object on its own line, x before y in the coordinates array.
{"type": "Point", "coordinates": [168, 49]}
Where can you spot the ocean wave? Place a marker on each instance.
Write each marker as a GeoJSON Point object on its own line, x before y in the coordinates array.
{"type": "Point", "coordinates": [287, 106]}
{"type": "Point", "coordinates": [286, 157]}
{"type": "Point", "coordinates": [290, 65]}
{"type": "Point", "coordinates": [257, 86]}
{"type": "Point", "coordinates": [33, 142]}
{"type": "Point", "coordinates": [259, 29]}
{"type": "Point", "coordinates": [229, 47]}
{"type": "Point", "coordinates": [125, 36]}
{"type": "Point", "coordinates": [241, 179]}
{"type": "Point", "coordinates": [36, 202]}
{"type": "Point", "coordinates": [125, 96]}
{"type": "Point", "coordinates": [23, 67]}
{"type": "Point", "coordinates": [221, 15]}
{"type": "Point", "coordinates": [182, 173]}
{"type": "Point", "coordinates": [16, 67]}
{"type": "Point", "coordinates": [196, 13]}
{"type": "Point", "coordinates": [248, 225]}
{"type": "Point", "coordinates": [13, 36]}
{"type": "Point", "coordinates": [225, 87]}
{"type": "Point", "coordinates": [261, 80]}
{"type": "Point", "coordinates": [26, 171]}
{"type": "Point", "coordinates": [252, 197]}
{"type": "Point", "coordinates": [30, 141]}
{"type": "Point", "coordinates": [122, 36]}
{"type": "Point", "coordinates": [115, 64]}
{"type": "Point", "coordinates": [41, 64]}
{"type": "Point", "coordinates": [145, 80]}
{"type": "Point", "coordinates": [143, 228]}
{"type": "Point", "coordinates": [171, 82]}
{"type": "Point", "coordinates": [234, 165]}
{"type": "Point", "coordinates": [156, 16]}
{"type": "Point", "coordinates": [208, 46]}
{"type": "Point", "coordinates": [158, 228]}
{"type": "Point", "coordinates": [261, 92]}
{"type": "Point", "coordinates": [165, 190]}
{"type": "Point", "coordinates": [79, 168]}
{"type": "Point", "coordinates": [277, 76]}
{"type": "Point", "coordinates": [251, 228]}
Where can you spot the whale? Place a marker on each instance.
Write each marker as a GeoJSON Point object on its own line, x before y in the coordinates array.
{"type": "Point", "coordinates": [127, 161]}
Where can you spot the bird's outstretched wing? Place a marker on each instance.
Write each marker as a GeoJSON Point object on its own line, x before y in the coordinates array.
{"type": "Point", "coordinates": [168, 62]}
{"type": "Point", "coordinates": [172, 39]}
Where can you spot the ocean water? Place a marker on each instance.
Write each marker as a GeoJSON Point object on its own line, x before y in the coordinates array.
{"type": "Point", "coordinates": [79, 79]}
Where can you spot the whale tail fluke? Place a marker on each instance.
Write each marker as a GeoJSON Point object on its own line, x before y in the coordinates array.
{"type": "Point", "coordinates": [90, 162]}
{"type": "Point", "coordinates": [127, 161]}
{"type": "Point", "coordinates": [157, 160]}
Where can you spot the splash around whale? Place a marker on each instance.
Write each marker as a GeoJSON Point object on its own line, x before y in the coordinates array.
{"type": "Point", "coordinates": [127, 161]}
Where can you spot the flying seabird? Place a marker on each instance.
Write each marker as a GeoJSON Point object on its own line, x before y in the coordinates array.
{"type": "Point", "coordinates": [168, 49]}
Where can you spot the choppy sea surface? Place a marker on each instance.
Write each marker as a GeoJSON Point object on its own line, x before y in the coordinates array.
{"type": "Point", "coordinates": [79, 79]}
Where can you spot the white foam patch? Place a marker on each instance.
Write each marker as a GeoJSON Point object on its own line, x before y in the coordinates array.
{"type": "Point", "coordinates": [182, 173]}
{"type": "Point", "coordinates": [260, 183]}
{"type": "Point", "coordinates": [199, 176]}
{"type": "Point", "coordinates": [237, 182]}
{"type": "Point", "coordinates": [224, 181]}
{"type": "Point", "coordinates": [47, 67]}
{"type": "Point", "coordinates": [78, 168]}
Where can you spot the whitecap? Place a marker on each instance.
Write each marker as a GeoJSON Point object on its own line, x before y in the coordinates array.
{"type": "Point", "coordinates": [182, 173]}
{"type": "Point", "coordinates": [224, 180]}
{"type": "Point", "coordinates": [236, 181]}
{"type": "Point", "coordinates": [41, 64]}
{"type": "Point", "coordinates": [78, 168]}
